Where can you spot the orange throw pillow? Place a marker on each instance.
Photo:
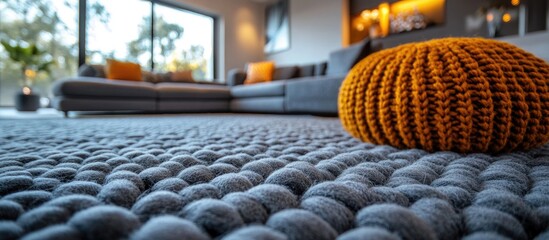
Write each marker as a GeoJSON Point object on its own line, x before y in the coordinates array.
{"type": "Point", "coordinates": [259, 72]}
{"type": "Point", "coordinates": [117, 70]}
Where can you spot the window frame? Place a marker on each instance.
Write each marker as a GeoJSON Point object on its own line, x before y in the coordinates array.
{"type": "Point", "coordinates": [82, 34]}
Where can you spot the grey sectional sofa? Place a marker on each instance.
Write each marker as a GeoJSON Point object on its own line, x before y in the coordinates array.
{"type": "Point", "coordinates": [85, 93]}
{"type": "Point", "coordinates": [310, 88]}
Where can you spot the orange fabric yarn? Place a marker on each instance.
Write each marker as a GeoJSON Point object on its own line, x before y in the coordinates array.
{"type": "Point", "coordinates": [452, 94]}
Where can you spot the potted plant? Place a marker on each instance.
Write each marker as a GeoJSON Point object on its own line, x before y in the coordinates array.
{"type": "Point", "coordinates": [32, 60]}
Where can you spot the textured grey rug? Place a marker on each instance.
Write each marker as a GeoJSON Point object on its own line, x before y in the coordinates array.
{"type": "Point", "coordinates": [255, 177]}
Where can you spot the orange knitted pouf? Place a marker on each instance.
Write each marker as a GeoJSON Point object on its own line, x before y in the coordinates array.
{"type": "Point", "coordinates": [456, 94]}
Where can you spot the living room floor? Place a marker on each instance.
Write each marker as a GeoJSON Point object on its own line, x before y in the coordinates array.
{"type": "Point", "coordinates": [250, 176]}
{"type": "Point", "coordinates": [12, 113]}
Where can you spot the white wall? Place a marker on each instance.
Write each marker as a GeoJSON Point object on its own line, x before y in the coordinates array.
{"type": "Point", "coordinates": [241, 30]}
{"type": "Point", "coordinates": [315, 31]}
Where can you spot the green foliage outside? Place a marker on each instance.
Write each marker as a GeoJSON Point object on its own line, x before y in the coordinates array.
{"type": "Point", "coordinates": [167, 58]}
{"type": "Point", "coordinates": [31, 60]}
{"type": "Point", "coordinates": [35, 22]}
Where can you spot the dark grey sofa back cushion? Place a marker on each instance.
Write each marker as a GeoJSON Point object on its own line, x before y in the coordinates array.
{"type": "Point", "coordinates": [283, 73]}
{"type": "Point", "coordinates": [307, 70]}
{"type": "Point", "coordinates": [92, 71]}
{"type": "Point", "coordinates": [320, 68]}
{"type": "Point", "coordinates": [236, 76]}
{"type": "Point", "coordinates": [341, 61]}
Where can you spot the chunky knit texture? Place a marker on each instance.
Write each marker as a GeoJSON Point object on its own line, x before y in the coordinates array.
{"type": "Point", "coordinates": [451, 94]}
{"type": "Point", "coordinates": [233, 176]}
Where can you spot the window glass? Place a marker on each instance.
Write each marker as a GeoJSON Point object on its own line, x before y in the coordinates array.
{"type": "Point", "coordinates": [120, 30]}
{"type": "Point", "coordinates": [183, 41]}
{"type": "Point", "coordinates": [50, 24]}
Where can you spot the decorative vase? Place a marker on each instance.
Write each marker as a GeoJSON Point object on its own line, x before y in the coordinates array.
{"type": "Point", "coordinates": [27, 100]}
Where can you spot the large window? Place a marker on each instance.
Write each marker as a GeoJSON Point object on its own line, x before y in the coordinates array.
{"type": "Point", "coordinates": [114, 31]}
{"type": "Point", "coordinates": [157, 35]}
{"type": "Point", "coordinates": [183, 41]}
{"type": "Point", "coordinates": [50, 24]}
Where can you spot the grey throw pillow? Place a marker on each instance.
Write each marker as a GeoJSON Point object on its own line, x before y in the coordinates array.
{"type": "Point", "coordinates": [341, 61]}
{"type": "Point", "coordinates": [89, 70]}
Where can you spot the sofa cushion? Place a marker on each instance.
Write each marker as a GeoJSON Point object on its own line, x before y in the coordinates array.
{"type": "Point", "coordinates": [192, 91]}
{"type": "Point", "coordinates": [64, 103]}
{"type": "Point", "coordinates": [307, 70]}
{"type": "Point", "coordinates": [182, 76]}
{"type": "Point", "coordinates": [101, 87]}
{"type": "Point", "coordinates": [259, 72]}
{"type": "Point", "coordinates": [127, 71]}
{"type": "Point", "coordinates": [191, 105]}
{"type": "Point", "coordinates": [313, 95]}
{"type": "Point", "coordinates": [270, 89]}
{"type": "Point", "coordinates": [235, 77]}
{"type": "Point", "coordinates": [282, 73]}
{"type": "Point", "coordinates": [320, 69]}
{"type": "Point", "coordinates": [93, 70]}
{"type": "Point", "coordinates": [258, 104]}
{"type": "Point", "coordinates": [156, 77]}
{"type": "Point", "coordinates": [341, 61]}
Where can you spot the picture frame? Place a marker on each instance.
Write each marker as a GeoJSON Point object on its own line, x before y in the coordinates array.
{"type": "Point", "coordinates": [277, 27]}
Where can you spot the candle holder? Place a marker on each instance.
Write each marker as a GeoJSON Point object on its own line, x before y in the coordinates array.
{"type": "Point", "coordinates": [26, 100]}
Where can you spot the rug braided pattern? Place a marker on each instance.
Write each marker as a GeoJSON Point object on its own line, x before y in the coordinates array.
{"type": "Point", "coordinates": [255, 177]}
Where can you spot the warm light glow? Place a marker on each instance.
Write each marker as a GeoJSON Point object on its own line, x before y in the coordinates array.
{"type": "Point", "coordinates": [385, 10]}
{"type": "Point", "coordinates": [489, 17]}
{"type": "Point", "coordinates": [246, 32]}
{"type": "Point", "coordinates": [365, 14]}
{"type": "Point", "coordinates": [515, 2]}
{"type": "Point", "coordinates": [433, 10]}
{"type": "Point", "coordinates": [506, 17]}
{"type": "Point", "coordinates": [375, 14]}
{"type": "Point", "coordinates": [384, 19]}
{"type": "Point", "coordinates": [30, 73]}
{"type": "Point", "coordinates": [26, 90]}
{"type": "Point", "coordinates": [390, 17]}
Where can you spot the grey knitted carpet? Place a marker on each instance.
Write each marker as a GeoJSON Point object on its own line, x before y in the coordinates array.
{"type": "Point", "coordinates": [231, 176]}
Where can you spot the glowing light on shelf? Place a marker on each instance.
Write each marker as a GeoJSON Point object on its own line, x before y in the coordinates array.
{"type": "Point", "coordinates": [506, 17]}
{"type": "Point", "coordinates": [515, 2]}
{"type": "Point", "coordinates": [384, 18]}
{"type": "Point", "coordinates": [365, 14]}
{"type": "Point", "coordinates": [385, 9]}
{"type": "Point", "coordinates": [375, 14]}
{"type": "Point", "coordinates": [360, 27]}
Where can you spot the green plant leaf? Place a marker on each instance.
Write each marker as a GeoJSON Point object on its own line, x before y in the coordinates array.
{"type": "Point", "coordinates": [28, 56]}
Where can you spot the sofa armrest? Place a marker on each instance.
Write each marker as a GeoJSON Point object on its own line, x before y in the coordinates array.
{"type": "Point", "coordinates": [235, 77]}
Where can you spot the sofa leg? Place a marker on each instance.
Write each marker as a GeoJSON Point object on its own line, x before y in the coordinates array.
{"type": "Point", "coordinates": [66, 114]}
